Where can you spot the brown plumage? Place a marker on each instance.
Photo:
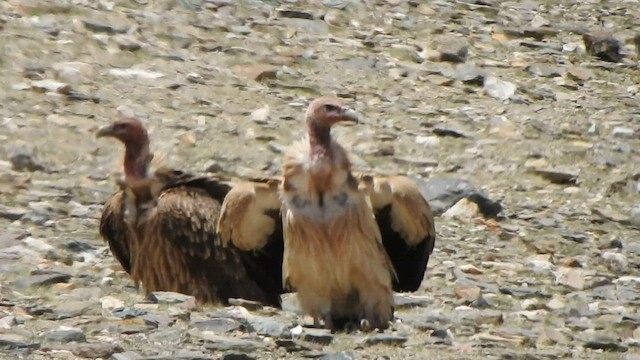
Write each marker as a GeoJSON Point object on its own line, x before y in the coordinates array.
{"type": "Point", "coordinates": [250, 220]}
{"type": "Point", "coordinates": [334, 257]}
{"type": "Point", "coordinates": [406, 223]}
{"type": "Point", "coordinates": [170, 241]}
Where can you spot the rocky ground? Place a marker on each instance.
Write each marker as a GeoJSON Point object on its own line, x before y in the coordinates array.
{"type": "Point", "coordinates": [524, 114]}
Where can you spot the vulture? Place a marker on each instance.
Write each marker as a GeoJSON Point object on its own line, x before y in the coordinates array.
{"type": "Point", "coordinates": [348, 243]}
{"type": "Point", "coordinates": [162, 227]}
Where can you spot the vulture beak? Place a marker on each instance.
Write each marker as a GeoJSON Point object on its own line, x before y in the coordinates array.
{"type": "Point", "coordinates": [104, 131]}
{"type": "Point", "coordinates": [350, 116]}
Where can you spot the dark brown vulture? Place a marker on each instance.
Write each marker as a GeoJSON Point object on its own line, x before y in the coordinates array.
{"type": "Point", "coordinates": [334, 256]}
{"type": "Point", "coordinates": [162, 227]}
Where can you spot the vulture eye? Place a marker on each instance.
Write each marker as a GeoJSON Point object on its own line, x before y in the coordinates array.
{"type": "Point", "coordinates": [330, 108]}
{"type": "Point", "coordinates": [120, 126]}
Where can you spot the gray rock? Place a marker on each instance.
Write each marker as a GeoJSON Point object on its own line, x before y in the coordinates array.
{"type": "Point", "coordinates": [95, 350]}
{"type": "Point", "coordinates": [168, 297]}
{"type": "Point", "coordinates": [426, 322]}
{"type": "Point", "coordinates": [247, 304]}
{"type": "Point", "coordinates": [69, 309]}
{"type": "Point", "coordinates": [456, 53]}
{"type": "Point", "coordinates": [444, 192]}
{"type": "Point", "coordinates": [603, 46]}
{"type": "Point", "coordinates": [12, 213]}
{"type": "Point", "coordinates": [557, 176]}
{"type": "Point", "coordinates": [127, 355]}
{"type": "Point", "coordinates": [544, 70]}
{"type": "Point", "coordinates": [269, 327]}
{"type": "Point", "coordinates": [469, 74]}
{"type": "Point", "coordinates": [101, 27]}
{"type": "Point", "coordinates": [404, 301]}
{"type": "Point", "coordinates": [128, 313]}
{"type": "Point", "coordinates": [623, 132]}
{"type": "Point", "coordinates": [38, 278]}
{"type": "Point", "coordinates": [345, 355]}
{"type": "Point", "coordinates": [634, 217]}
{"type": "Point", "coordinates": [291, 346]}
{"type": "Point", "coordinates": [606, 345]}
{"type": "Point", "coordinates": [218, 325]}
{"type": "Point", "coordinates": [236, 356]}
{"type": "Point", "coordinates": [16, 341]}
{"type": "Point", "coordinates": [7, 322]}
{"type": "Point", "coordinates": [228, 343]}
{"type": "Point", "coordinates": [318, 336]}
{"type": "Point", "coordinates": [65, 335]}
{"type": "Point", "coordinates": [288, 13]}
{"type": "Point", "coordinates": [499, 89]}
{"type": "Point", "coordinates": [24, 157]}
{"type": "Point", "coordinates": [384, 339]}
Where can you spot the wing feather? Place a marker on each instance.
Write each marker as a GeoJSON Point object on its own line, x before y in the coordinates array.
{"type": "Point", "coordinates": [406, 223]}
{"type": "Point", "coordinates": [184, 220]}
{"type": "Point", "coordinates": [250, 220]}
{"type": "Point", "coordinates": [115, 231]}
{"type": "Point", "coordinates": [247, 217]}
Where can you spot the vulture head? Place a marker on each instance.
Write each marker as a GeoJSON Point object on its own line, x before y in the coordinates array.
{"type": "Point", "coordinates": [321, 114]}
{"type": "Point", "coordinates": [328, 111]}
{"type": "Point", "coordinates": [129, 131]}
{"type": "Point", "coordinates": [134, 136]}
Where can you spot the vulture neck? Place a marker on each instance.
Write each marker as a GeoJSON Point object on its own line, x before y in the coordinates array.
{"type": "Point", "coordinates": [319, 138]}
{"type": "Point", "coordinates": [135, 160]}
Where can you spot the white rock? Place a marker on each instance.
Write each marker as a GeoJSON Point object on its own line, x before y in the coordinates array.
{"type": "Point", "coordinates": [615, 261]}
{"type": "Point", "coordinates": [73, 72]}
{"type": "Point", "coordinates": [51, 86]}
{"type": "Point", "coordinates": [111, 303]}
{"type": "Point", "coordinates": [135, 73]}
{"type": "Point", "coordinates": [499, 89]}
{"type": "Point", "coordinates": [8, 322]}
{"type": "Point", "coordinates": [570, 277]}
{"type": "Point", "coordinates": [296, 330]}
{"type": "Point", "coordinates": [463, 209]}
{"type": "Point", "coordinates": [622, 132]}
{"type": "Point", "coordinates": [37, 244]}
{"type": "Point", "coordinates": [125, 111]}
{"type": "Point", "coordinates": [429, 141]}
{"type": "Point", "coordinates": [529, 304]}
{"type": "Point", "coordinates": [261, 116]}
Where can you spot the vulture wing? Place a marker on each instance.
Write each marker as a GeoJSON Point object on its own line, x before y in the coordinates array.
{"type": "Point", "coordinates": [250, 222]}
{"type": "Point", "coordinates": [181, 238]}
{"type": "Point", "coordinates": [115, 231]}
{"type": "Point", "coordinates": [407, 226]}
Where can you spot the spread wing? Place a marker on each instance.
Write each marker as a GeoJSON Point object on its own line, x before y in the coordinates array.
{"type": "Point", "coordinates": [182, 229]}
{"type": "Point", "coordinates": [115, 232]}
{"type": "Point", "coordinates": [250, 221]}
{"type": "Point", "coordinates": [407, 226]}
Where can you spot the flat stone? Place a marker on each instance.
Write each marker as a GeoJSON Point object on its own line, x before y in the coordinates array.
{"type": "Point", "coordinates": [384, 339]}
{"type": "Point", "coordinates": [15, 341]}
{"type": "Point", "coordinates": [218, 325]}
{"type": "Point", "coordinates": [95, 350]}
{"type": "Point", "coordinates": [65, 335]}
{"type": "Point", "coordinates": [167, 297]}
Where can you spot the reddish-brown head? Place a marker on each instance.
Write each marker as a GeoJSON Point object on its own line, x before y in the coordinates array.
{"type": "Point", "coordinates": [129, 130]}
{"type": "Point", "coordinates": [134, 136]}
{"type": "Point", "coordinates": [327, 111]}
